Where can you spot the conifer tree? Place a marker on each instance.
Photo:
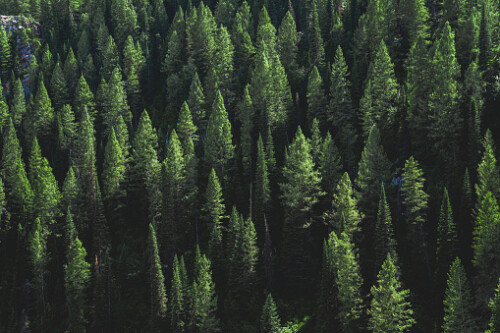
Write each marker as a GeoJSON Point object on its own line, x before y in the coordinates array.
{"type": "Point", "coordinates": [380, 98]}
{"type": "Point", "coordinates": [444, 116]}
{"type": "Point", "coordinates": [109, 57]}
{"type": "Point", "coordinates": [71, 72]}
{"type": "Point", "coordinates": [39, 261]}
{"type": "Point", "coordinates": [66, 127]}
{"type": "Point", "coordinates": [113, 177]}
{"type": "Point", "coordinates": [17, 186]}
{"type": "Point", "coordinates": [158, 310]}
{"type": "Point", "coordinates": [196, 103]}
{"type": "Point", "coordinates": [329, 164]}
{"type": "Point", "coordinates": [70, 191]}
{"type": "Point", "coordinates": [385, 242]}
{"type": "Point", "coordinates": [341, 116]}
{"type": "Point", "coordinates": [76, 281]}
{"type": "Point", "coordinates": [204, 307]}
{"type": "Point", "coordinates": [415, 20]}
{"type": "Point", "coordinates": [115, 103]}
{"type": "Point", "coordinates": [270, 321]}
{"type": "Point", "coordinates": [124, 19]}
{"type": "Point", "coordinates": [488, 174]}
{"type": "Point", "coordinates": [373, 170]}
{"type": "Point", "coordinates": [18, 105]}
{"type": "Point", "coordinates": [485, 261]}
{"type": "Point", "coordinates": [316, 48]}
{"type": "Point", "coordinates": [340, 304]}
{"type": "Point", "coordinates": [262, 190]}
{"type": "Point", "coordinates": [390, 310]}
{"type": "Point", "coordinates": [287, 43]}
{"type": "Point", "coordinates": [173, 194]}
{"type": "Point", "coordinates": [145, 170]}
{"type": "Point", "coordinates": [300, 192]}
{"type": "Point", "coordinates": [186, 129]}
{"type": "Point", "coordinates": [494, 305]}
{"type": "Point", "coordinates": [447, 240]}
{"type": "Point", "coordinates": [5, 52]}
{"type": "Point", "coordinates": [46, 193]}
{"type": "Point", "coordinates": [246, 113]}
{"type": "Point", "coordinates": [218, 144]}
{"type": "Point", "coordinates": [214, 209]}
{"type": "Point", "coordinates": [176, 301]}
{"type": "Point", "coordinates": [84, 98]}
{"type": "Point", "coordinates": [41, 117]}
{"type": "Point", "coordinates": [222, 62]}
{"type": "Point", "coordinates": [345, 215]}
{"type": "Point", "coordinates": [316, 97]}
{"type": "Point", "coordinates": [58, 88]}
{"type": "Point", "coordinates": [134, 63]}
{"type": "Point", "coordinates": [458, 302]}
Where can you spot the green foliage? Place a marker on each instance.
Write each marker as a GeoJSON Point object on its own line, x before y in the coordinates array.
{"type": "Point", "coordinates": [176, 305]}
{"type": "Point", "coordinates": [385, 242]}
{"type": "Point", "coordinates": [214, 209]}
{"type": "Point", "coordinates": [18, 106]}
{"type": "Point", "coordinates": [156, 283]}
{"type": "Point", "coordinates": [316, 97]}
{"type": "Point", "coordinates": [390, 310]}
{"type": "Point", "coordinates": [494, 305]}
{"type": "Point", "coordinates": [458, 302]}
{"type": "Point", "coordinates": [270, 321]}
{"type": "Point", "coordinates": [345, 216]}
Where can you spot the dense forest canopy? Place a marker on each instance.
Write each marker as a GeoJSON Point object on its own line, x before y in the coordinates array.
{"type": "Point", "coordinates": [249, 166]}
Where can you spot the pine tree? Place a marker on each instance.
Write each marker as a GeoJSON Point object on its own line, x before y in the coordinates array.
{"type": "Point", "coordinates": [270, 321]}
{"type": "Point", "coordinates": [488, 175]}
{"type": "Point", "coordinates": [58, 88]}
{"type": "Point", "coordinates": [341, 116]}
{"type": "Point", "coordinates": [124, 19]}
{"type": "Point", "coordinates": [345, 216]}
{"type": "Point", "coordinates": [218, 144]}
{"type": "Point", "coordinates": [176, 301]}
{"type": "Point", "coordinates": [70, 191]}
{"type": "Point", "coordinates": [158, 310]}
{"type": "Point", "coordinates": [458, 302]}
{"type": "Point", "coordinates": [287, 43]}
{"type": "Point", "coordinates": [316, 97]}
{"type": "Point", "coordinates": [84, 98]}
{"type": "Point", "coordinates": [390, 310]}
{"type": "Point", "coordinates": [39, 260]}
{"type": "Point", "coordinates": [18, 105]}
{"type": "Point", "coordinates": [241, 33]}
{"type": "Point", "coordinates": [204, 307]}
{"type": "Point", "coordinates": [186, 129]}
{"type": "Point", "coordinates": [113, 177]}
{"type": "Point", "coordinates": [17, 186]}
{"type": "Point", "coordinates": [46, 195]}
{"type": "Point", "coordinates": [5, 52]}
{"type": "Point", "coordinates": [66, 127]}
{"type": "Point", "coordinates": [329, 164]}
{"type": "Point", "coordinates": [380, 98]}
{"type": "Point", "coordinates": [145, 170]}
{"type": "Point", "coordinates": [71, 72]}
{"type": "Point", "coordinates": [316, 47]}
{"type": "Point", "coordinates": [222, 63]}
{"type": "Point", "coordinates": [447, 240]}
{"type": "Point", "coordinates": [214, 211]}
{"type": "Point", "coordinates": [262, 190]}
{"type": "Point", "coordinates": [485, 261]}
{"type": "Point", "coordinates": [115, 103]}
{"type": "Point", "coordinates": [300, 192]}
{"type": "Point", "coordinates": [494, 305]}
{"type": "Point", "coordinates": [246, 114]}
{"type": "Point", "coordinates": [340, 304]}
{"type": "Point", "coordinates": [76, 281]}
{"type": "Point", "coordinates": [444, 116]}
{"type": "Point", "coordinates": [373, 170]}
{"type": "Point", "coordinates": [196, 103]}
{"type": "Point", "coordinates": [109, 56]}
{"type": "Point", "coordinates": [173, 194]}
{"type": "Point", "coordinates": [415, 20]}
{"type": "Point", "coordinates": [40, 119]}
{"type": "Point", "coordinates": [134, 63]}
{"type": "Point", "coordinates": [385, 242]}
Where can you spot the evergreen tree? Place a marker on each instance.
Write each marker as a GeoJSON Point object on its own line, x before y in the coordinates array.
{"type": "Point", "coordinates": [113, 177]}
{"type": "Point", "coordinates": [40, 119]}
{"type": "Point", "coordinates": [262, 190]}
{"type": "Point", "coordinates": [17, 186]}
{"type": "Point", "coordinates": [458, 302]}
{"type": "Point", "coordinates": [134, 63]}
{"type": "Point", "coordinates": [176, 301]}
{"type": "Point", "coordinates": [390, 310]}
{"type": "Point", "coordinates": [300, 192]}
{"type": "Point", "coordinates": [196, 103]}
{"type": "Point", "coordinates": [76, 281]}
{"type": "Point", "coordinates": [204, 303]}
{"type": "Point", "coordinates": [58, 88]}
{"type": "Point", "coordinates": [373, 170]}
{"type": "Point", "coordinates": [488, 176]}
{"type": "Point", "coordinates": [115, 103]}
{"type": "Point", "coordinates": [18, 105]}
{"type": "Point", "coordinates": [340, 304]}
{"type": "Point", "coordinates": [287, 43]}
{"type": "Point", "coordinates": [415, 17]}
{"type": "Point", "coordinates": [345, 216]}
{"type": "Point", "coordinates": [270, 321]}
{"type": "Point", "coordinates": [446, 248]}
{"type": "Point", "coordinates": [341, 116]}
{"type": "Point", "coordinates": [246, 116]}
{"type": "Point", "coordinates": [444, 116]}
{"type": "Point", "coordinates": [316, 97]}
{"type": "Point", "coordinates": [242, 32]}
{"type": "Point", "coordinates": [84, 98]}
{"type": "Point", "coordinates": [329, 164]}
{"type": "Point", "coordinates": [486, 231]}
{"type": "Point", "coordinates": [380, 98]}
{"type": "Point", "coordinates": [109, 55]}
{"type": "Point", "coordinates": [39, 261]}
{"type": "Point", "coordinates": [385, 242]}
{"type": "Point", "coordinates": [124, 19]}
{"type": "Point", "coordinates": [156, 283]}
{"type": "Point", "coordinates": [218, 144]}
{"type": "Point", "coordinates": [494, 305]}
{"type": "Point", "coordinates": [71, 72]}
{"type": "Point", "coordinates": [66, 127]}
{"type": "Point", "coordinates": [214, 209]}
{"type": "Point", "coordinates": [186, 129]}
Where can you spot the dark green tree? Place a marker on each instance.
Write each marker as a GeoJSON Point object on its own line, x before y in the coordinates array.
{"type": "Point", "coordinates": [316, 98]}
{"type": "Point", "coordinates": [214, 211]}
{"type": "Point", "coordinates": [176, 301]}
{"type": "Point", "coordinates": [385, 242]}
{"type": "Point", "coordinates": [158, 310]}
{"type": "Point", "coordinates": [270, 321]}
